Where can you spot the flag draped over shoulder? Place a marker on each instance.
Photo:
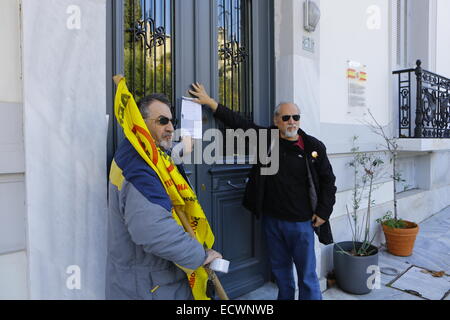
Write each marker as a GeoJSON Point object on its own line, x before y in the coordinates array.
{"type": "Point", "coordinates": [181, 194]}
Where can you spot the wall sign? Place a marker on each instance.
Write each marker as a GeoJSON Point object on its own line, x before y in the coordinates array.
{"type": "Point", "coordinates": [357, 88]}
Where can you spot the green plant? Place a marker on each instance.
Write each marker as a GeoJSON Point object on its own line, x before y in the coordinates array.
{"type": "Point", "coordinates": [391, 145]}
{"type": "Point", "coordinates": [389, 220]}
{"type": "Point", "coordinates": [365, 171]}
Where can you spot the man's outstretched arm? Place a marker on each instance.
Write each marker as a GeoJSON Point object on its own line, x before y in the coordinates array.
{"type": "Point", "coordinates": [231, 119]}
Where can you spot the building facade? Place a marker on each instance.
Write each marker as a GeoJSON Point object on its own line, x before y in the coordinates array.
{"type": "Point", "coordinates": [58, 133]}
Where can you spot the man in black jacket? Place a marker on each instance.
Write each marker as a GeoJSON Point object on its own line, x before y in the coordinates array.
{"type": "Point", "coordinates": [294, 202]}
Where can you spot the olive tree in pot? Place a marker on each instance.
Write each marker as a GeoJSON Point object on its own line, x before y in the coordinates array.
{"type": "Point", "coordinates": [356, 261]}
{"type": "Point", "coordinates": [400, 234]}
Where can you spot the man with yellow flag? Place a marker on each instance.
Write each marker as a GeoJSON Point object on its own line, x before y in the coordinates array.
{"type": "Point", "coordinates": [150, 256]}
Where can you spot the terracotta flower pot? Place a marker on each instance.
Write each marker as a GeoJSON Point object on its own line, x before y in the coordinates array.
{"type": "Point", "coordinates": [400, 242]}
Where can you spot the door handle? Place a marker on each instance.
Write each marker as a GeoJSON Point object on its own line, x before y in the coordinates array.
{"type": "Point", "coordinates": [241, 186]}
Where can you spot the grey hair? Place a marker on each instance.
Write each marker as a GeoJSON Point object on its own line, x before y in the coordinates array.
{"type": "Point", "coordinates": [145, 102]}
{"type": "Point", "coordinates": [278, 107]}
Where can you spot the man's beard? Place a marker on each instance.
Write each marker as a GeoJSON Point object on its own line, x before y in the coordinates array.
{"type": "Point", "coordinates": [164, 143]}
{"type": "Point", "coordinates": [291, 134]}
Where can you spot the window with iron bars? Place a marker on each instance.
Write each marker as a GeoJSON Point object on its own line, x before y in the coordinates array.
{"type": "Point", "coordinates": [234, 42]}
{"type": "Point", "coordinates": [148, 47]}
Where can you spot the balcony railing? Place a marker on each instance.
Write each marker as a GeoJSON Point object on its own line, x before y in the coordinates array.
{"type": "Point", "coordinates": [430, 95]}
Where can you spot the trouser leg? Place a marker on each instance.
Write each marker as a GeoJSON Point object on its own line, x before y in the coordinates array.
{"type": "Point", "coordinates": [302, 245]}
{"type": "Point", "coordinates": [280, 258]}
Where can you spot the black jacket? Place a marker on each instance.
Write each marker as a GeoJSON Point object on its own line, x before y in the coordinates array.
{"type": "Point", "coordinates": [320, 175]}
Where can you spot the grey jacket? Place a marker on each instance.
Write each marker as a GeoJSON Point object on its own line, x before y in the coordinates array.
{"type": "Point", "coordinates": [144, 241]}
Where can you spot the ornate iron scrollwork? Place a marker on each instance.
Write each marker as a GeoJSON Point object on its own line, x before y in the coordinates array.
{"type": "Point", "coordinates": [432, 117]}
{"type": "Point", "coordinates": [148, 48]}
{"type": "Point", "coordinates": [405, 120]}
{"type": "Point", "coordinates": [146, 31]}
{"type": "Point", "coordinates": [234, 44]}
{"type": "Point", "coordinates": [236, 56]}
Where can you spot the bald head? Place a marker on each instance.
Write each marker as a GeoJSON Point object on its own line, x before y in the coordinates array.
{"type": "Point", "coordinates": [284, 104]}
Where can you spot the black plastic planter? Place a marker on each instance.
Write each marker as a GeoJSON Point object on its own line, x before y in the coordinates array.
{"type": "Point", "coordinates": [352, 272]}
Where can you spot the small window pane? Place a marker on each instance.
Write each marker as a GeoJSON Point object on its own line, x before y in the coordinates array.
{"type": "Point", "coordinates": [148, 47]}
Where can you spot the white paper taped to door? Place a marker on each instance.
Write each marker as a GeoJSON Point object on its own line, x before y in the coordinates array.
{"type": "Point", "coordinates": [191, 119]}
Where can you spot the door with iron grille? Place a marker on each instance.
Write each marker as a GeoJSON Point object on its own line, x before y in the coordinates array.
{"type": "Point", "coordinates": [166, 45]}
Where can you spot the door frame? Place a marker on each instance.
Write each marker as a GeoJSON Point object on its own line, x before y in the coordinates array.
{"type": "Point", "coordinates": [190, 55]}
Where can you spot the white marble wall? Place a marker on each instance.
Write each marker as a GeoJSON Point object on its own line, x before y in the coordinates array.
{"type": "Point", "coordinates": [10, 81]}
{"type": "Point", "coordinates": [443, 45]}
{"type": "Point", "coordinates": [13, 259]}
{"type": "Point", "coordinates": [13, 276]}
{"type": "Point", "coordinates": [357, 31]}
{"type": "Point", "coordinates": [64, 61]}
{"type": "Point", "coordinates": [297, 70]}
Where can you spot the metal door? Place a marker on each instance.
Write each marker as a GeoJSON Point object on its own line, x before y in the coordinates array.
{"type": "Point", "coordinates": [164, 46]}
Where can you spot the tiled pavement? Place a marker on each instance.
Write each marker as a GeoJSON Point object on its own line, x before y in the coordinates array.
{"type": "Point", "coordinates": [431, 251]}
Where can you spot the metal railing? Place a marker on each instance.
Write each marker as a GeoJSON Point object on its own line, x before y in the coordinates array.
{"type": "Point", "coordinates": [430, 95]}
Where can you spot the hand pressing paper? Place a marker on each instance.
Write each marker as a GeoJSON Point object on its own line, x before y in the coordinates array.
{"type": "Point", "coordinates": [191, 119]}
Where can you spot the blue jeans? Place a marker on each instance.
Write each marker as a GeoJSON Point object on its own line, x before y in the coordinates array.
{"type": "Point", "coordinates": [289, 242]}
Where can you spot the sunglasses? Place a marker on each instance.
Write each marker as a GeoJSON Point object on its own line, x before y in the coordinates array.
{"type": "Point", "coordinates": [163, 121]}
{"type": "Point", "coordinates": [286, 118]}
